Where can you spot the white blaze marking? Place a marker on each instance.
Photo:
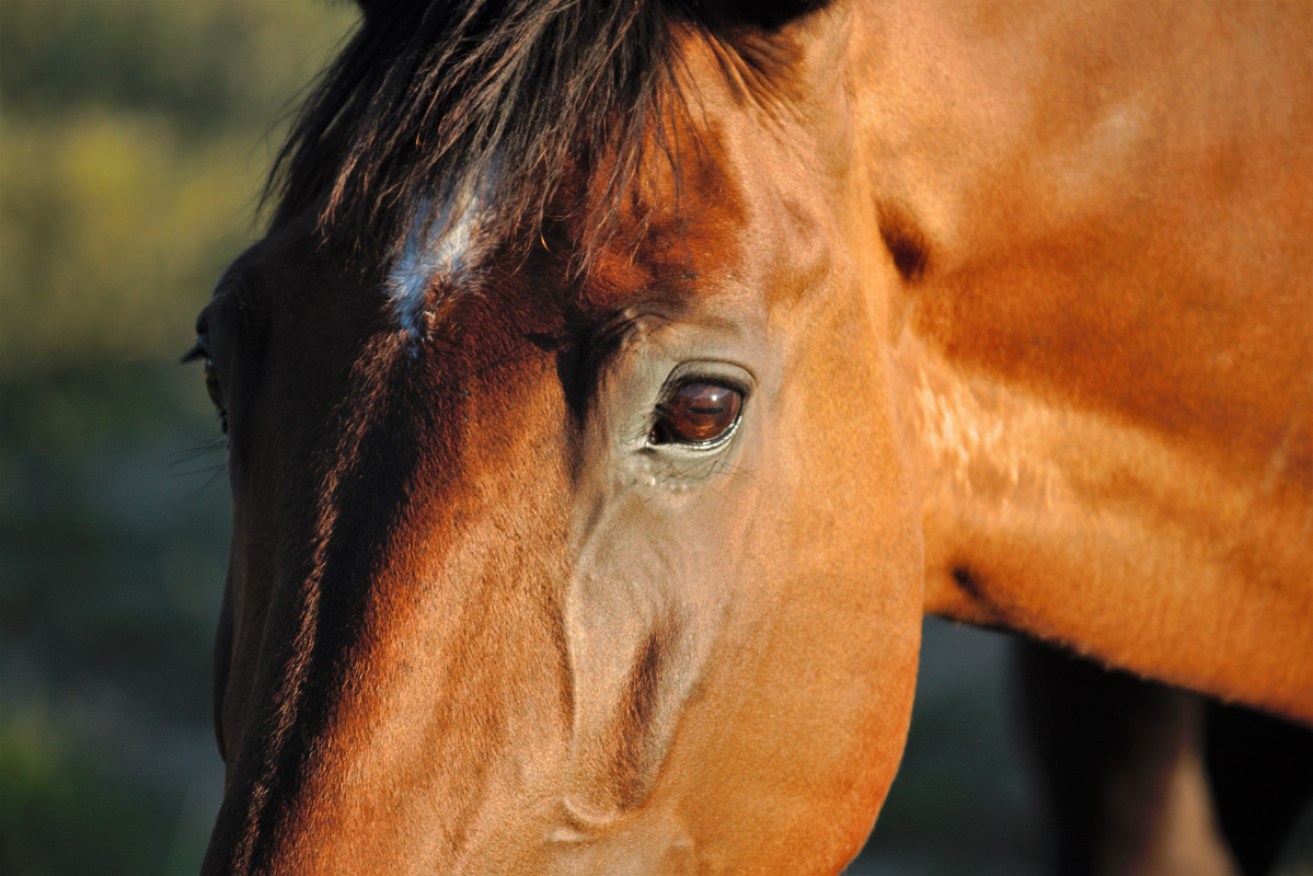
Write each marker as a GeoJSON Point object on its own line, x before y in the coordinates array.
{"type": "Point", "coordinates": [440, 247]}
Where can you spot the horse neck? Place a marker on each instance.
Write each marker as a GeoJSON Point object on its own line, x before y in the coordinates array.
{"type": "Point", "coordinates": [1101, 325]}
{"type": "Point", "coordinates": [1080, 528]}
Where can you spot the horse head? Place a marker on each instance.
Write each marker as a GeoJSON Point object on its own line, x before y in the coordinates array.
{"type": "Point", "coordinates": [573, 530]}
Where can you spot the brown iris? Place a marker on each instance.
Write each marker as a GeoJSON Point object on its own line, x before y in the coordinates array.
{"type": "Point", "coordinates": [697, 413]}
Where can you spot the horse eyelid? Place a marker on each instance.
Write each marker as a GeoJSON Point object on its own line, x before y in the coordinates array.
{"type": "Point", "coordinates": [200, 349]}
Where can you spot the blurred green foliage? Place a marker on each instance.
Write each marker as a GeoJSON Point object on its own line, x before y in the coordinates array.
{"type": "Point", "coordinates": [134, 136]}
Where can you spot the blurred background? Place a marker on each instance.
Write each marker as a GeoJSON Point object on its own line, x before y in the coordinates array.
{"type": "Point", "coordinates": [133, 138]}
{"type": "Point", "coordinates": [134, 135]}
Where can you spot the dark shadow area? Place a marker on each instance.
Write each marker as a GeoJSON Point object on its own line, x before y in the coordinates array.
{"type": "Point", "coordinates": [967, 799]}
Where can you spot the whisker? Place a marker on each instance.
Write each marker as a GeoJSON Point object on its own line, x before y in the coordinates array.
{"type": "Point", "coordinates": [202, 448]}
{"type": "Point", "coordinates": [182, 465]}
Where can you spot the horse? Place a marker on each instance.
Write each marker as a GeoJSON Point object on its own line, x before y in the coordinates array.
{"type": "Point", "coordinates": [619, 384]}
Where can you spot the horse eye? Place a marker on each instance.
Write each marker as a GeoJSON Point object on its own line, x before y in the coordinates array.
{"type": "Point", "coordinates": [697, 413]}
{"type": "Point", "coordinates": [212, 388]}
{"type": "Point", "coordinates": [202, 351]}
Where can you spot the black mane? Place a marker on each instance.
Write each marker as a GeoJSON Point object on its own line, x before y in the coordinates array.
{"type": "Point", "coordinates": [428, 98]}
{"type": "Point", "coordinates": [435, 98]}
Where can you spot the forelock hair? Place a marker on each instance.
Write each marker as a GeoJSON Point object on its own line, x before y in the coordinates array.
{"type": "Point", "coordinates": [441, 101]}
{"type": "Point", "coordinates": [497, 99]}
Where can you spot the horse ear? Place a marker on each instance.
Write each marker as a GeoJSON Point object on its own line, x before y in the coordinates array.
{"type": "Point", "coordinates": [638, 646]}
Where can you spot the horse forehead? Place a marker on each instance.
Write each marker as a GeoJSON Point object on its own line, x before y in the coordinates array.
{"type": "Point", "coordinates": [705, 213]}
{"type": "Point", "coordinates": [445, 245]}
